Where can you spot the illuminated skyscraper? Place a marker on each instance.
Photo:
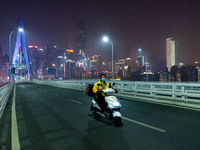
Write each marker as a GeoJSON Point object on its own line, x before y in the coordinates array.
{"type": "Point", "coordinates": [80, 47]}
{"type": "Point", "coordinates": [80, 40]}
{"type": "Point", "coordinates": [35, 57]}
{"type": "Point", "coordinates": [170, 53]}
{"type": "Point", "coordinates": [140, 61]}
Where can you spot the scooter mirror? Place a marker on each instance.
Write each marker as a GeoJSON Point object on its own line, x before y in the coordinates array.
{"type": "Point", "coordinates": [113, 84]}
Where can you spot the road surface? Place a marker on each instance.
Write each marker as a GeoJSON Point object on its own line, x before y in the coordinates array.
{"type": "Point", "coordinates": [50, 118]}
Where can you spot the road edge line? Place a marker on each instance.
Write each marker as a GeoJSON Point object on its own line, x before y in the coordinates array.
{"type": "Point", "coordinates": [14, 129]}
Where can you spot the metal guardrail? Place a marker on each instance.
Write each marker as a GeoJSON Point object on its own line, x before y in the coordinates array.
{"type": "Point", "coordinates": [4, 95]}
{"type": "Point", "coordinates": [3, 83]}
{"type": "Point", "coordinates": [181, 94]}
{"type": "Point", "coordinates": [69, 84]}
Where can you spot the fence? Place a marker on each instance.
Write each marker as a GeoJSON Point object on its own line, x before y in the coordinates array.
{"type": "Point", "coordinates": [181, 94]}
{"type": "Point", "coordinates": [4, 95]}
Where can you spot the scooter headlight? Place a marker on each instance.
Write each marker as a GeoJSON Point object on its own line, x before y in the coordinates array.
{"type": "Point", "coordinates": [116, 104]}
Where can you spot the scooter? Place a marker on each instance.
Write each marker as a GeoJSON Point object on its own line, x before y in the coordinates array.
{"type": "Point", "coordinates": [113, 107]}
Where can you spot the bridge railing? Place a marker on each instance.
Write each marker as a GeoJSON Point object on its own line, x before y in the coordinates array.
{"type": "Point", "coordinates": [182, 94]}
{"type": "Point", "coordinates": [5, 91]}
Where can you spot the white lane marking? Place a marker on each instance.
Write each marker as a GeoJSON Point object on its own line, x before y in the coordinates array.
{"type": "Point", "coordinates": [145, 125]}
{"type": "Point", "coordinates": [76, 101]}
{"type": "Point", "coordinates": [14, 129]}
{"type": "Point", "coordinates": [55, 94]}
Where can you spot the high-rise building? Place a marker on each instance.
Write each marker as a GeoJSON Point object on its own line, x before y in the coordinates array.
{"type": "Point", "coordinates": [70, 63]}
{"type": "Point", "coordinates": [80, 40]}
{"type": "Point", "coordinates": [4, 66]}
{"type": "Point", "coordinates": [128, 62]}
{"type": "Point", "coordinates": [119, 68]}
{"type": "Point", "coordinates": [170, 53]}
{"type": "Point", "coordinates": [127, 67]}
{"type": "Point", "coordinates": [80, 47]}
{"type": "Point", "coordinates": [36, 58]}
{"type": "Point", "coordinates": [50, 57]}
{"type": "Point", "coordinates": [60, 64]}
{"type": "Point", "coordinates": [140, 61]}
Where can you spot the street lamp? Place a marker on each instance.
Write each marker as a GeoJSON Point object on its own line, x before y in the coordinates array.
{"type": "Point", "coordinates": [10, 37]}
{"type": "Point", "coordinates": [106, 39]}
{"type": "Point", "coordinates": [140, 50]}
{"type": "Point", "coordinates": [21, 30]}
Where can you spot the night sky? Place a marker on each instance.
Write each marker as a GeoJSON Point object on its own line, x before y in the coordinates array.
{"type": "Point", "coordinates": [131, 24]}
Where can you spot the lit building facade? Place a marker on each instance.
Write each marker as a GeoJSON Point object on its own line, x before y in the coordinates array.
{"type": "Point", "coordinates": [127, 68]}
{"type": "Point", "coordinates": [69, 64]}
{"type": "Point", "coordinates": [4, 66]}
{"type": "Point", "coordinates": [140, 61]}
{"type": "Point", "coordinates": [36, 59]}
{"type": "Point", "coordinates": [119, 68]}
{"type": "Point", "coordinates": [50, 57]}
{"type": "Point", "coordinates": [80, 40]}
{"type": "Point", "coordinates": [80, 47]}
{"type": "Point", "coordinates": [60, 67]}
{"type": "Point", "coordinates": [170, 53]}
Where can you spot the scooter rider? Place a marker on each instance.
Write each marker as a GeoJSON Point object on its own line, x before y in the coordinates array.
{"type": "Point", "coordinates": [99, 95]}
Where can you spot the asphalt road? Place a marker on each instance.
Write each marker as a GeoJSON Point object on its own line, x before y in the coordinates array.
{"type": "Point", "coordinates": [51, 118]}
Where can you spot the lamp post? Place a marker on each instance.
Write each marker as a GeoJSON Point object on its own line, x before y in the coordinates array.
{"type": "Point", "coordinates": [69, 61]}
{"type": "Point", "coordinates": [10, 45]}
{"type": "Point", "coordinates": [106, 39]}
{"type": "Point", "coordinates": [10, 37]}
{"type": "Point", "coordinates": [140, 50]}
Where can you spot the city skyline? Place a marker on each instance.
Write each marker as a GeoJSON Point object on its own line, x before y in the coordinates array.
{"type": "Point", "coordinates": [130, 25]}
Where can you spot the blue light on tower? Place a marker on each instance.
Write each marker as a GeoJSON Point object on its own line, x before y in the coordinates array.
{"type": "Point", "coordinates": [21, 43]}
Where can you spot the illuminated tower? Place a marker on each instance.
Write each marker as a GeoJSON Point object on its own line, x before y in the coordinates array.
{"type": "Point", "coordinates": [170, 53]}
{"type": "Point", "coordinates": [20, 59]}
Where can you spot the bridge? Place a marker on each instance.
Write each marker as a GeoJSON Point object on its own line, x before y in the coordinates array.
{"type": "Point", "coordinates": [55, 115]}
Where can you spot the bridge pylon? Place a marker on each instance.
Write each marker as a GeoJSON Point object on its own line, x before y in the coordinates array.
{"type": "Point", "coordinates": [20, 57]}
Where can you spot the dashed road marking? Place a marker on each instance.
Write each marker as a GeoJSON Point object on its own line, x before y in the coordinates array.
{"type": "Point", "coordinates": [55, 94]}
{"type": "Point", "coordinates": [76, 101]}
{"type": "Point", "coordinates": [145, 125]}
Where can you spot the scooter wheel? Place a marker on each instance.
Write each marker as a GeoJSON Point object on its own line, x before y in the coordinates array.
{"type": "Point", "coordinates": [117, 121]}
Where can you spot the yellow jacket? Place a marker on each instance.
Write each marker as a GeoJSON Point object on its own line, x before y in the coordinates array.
{"type": "Point", "coordinates": [99, 86]}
